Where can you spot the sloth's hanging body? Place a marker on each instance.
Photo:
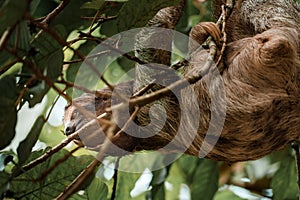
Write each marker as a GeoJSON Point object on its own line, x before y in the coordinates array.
{"type": "Point", "coordinates": [261, 80]}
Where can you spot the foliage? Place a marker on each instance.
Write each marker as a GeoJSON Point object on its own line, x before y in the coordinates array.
{"type": "Point", "coordinates": [36, 63]}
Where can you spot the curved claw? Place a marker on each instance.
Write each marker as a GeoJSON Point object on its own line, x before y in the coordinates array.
{"type": "Point", "coordinates": [201, 31]}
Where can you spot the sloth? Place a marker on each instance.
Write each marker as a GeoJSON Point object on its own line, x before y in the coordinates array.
{"type": "Point", "coordinates": [260, 84]}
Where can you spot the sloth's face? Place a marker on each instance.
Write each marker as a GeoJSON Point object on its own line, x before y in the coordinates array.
{"type": "Point", "coordinates": [75, 118]}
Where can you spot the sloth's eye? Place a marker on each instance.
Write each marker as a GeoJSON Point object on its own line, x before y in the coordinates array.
{"type": "Point", "coordinates": [74, 114]}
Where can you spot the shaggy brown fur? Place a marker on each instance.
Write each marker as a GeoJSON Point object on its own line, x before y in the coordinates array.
{"type": "Point", "coordinates": [261, 81]}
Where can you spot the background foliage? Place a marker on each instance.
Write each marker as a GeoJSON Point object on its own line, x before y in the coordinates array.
{"type": "Point", "coordinates": [36, 68]}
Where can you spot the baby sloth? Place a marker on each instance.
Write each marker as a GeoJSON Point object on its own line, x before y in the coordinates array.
{"type": "Point", "coordinates": [261, 107]}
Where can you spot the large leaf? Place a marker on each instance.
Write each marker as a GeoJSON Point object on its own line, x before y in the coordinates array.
{"type": "Point", "coordinates": [133, 16]}
{"type": "Point", "coordinates": [160, 176]}
{"type": "Point", "coordinates": [52, 184]}
{"type": "Point", "coordinates": [49, 60]}
{"type": "Point", "coordinates": [11, 12]}
{"type": "Point", "coordinates": [25, 147]}
{"type": "Point", "coordinates": [97, 190]}
{"type": "Point", "coordinates": [157, 183]}
{"type": "Point", "coordinates": [94, 4]}
{"type": "Point", "coordinates": [4, 177]}
{"type": "Point", "coordinates": [70, 16]}
{"type": "Point", "coordinates": [41, 8]}
{"type": "Point", "coordinates": [201, 175]}
{"type": "Point", "coordinates": [205, 181]}
{"type": "Point", "coordinates": [126, 182]}
{"type": "Point", "coordinates": [19, 39]}
{"type": "Point", "coordinates": [8, 112]}
{"type": "Point", "coordinates": [284, 182]}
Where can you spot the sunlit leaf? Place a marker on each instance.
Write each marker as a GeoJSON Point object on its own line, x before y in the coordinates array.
{"type": "Point", "coordinates": [97, 190]}
{"type": "Point", "coordinates": [126, 182]}
{"type": "Point", "coordinates": [284, 182]}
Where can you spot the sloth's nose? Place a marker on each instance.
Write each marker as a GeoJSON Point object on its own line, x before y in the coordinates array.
{"type": "Point", "coordinates": [69, 129]}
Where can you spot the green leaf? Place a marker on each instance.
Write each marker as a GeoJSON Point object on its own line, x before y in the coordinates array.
{"type": "Point", "coordinates": [41, 8]}
{"type": "Point", "coordinates": [201, 175]}
{"type": "Point", "coordinates": [5, 58]}
{"type": "Point", "coordinates": [8, 112]}
{"type": "Point", "coordinates": [70, 16]}
{"type": "Point", "coordinates": [157, 183]}
{"type": "Point", "coordinates": [10, 13]}
{"type": "Point", "coordinates": [5, 158]}
{"type": "Point", "coordinates": [133, 16]}
{"type": "Point", "coordinates": [116, 0]}
{"type": "Point", "coordinates": [226, 194]}
{"type": "Point", "coordinates": [36, 94]}
{"type": "Point", "coordinates": [21, 37]}
{"type": "Point", "coordinates": [25, 147]}
{"type": "Point", "coordinates": [160, 176]}
{"type": "Point", "coordinates": [4, 177]}
{"type": "Point", "coordinates": [95, 4]}
{"type": "Point", "coordinates": [97, 190]}
{"type": "Point", "coordinates": [109, 28]}
{"type": "Point", "coordinates": [284, 182]}
{"type": "Point", "coordinates": [126, 181]}
{"type": "Point", "coordinates": [49, 60]}
{"type": "Point", "coordinates": [53, 183]}
{"type": "Point", "coordinates": [72, 71]}
{"type": "Point", "coordinates": [54, 65]}
{"type": "Point", "coordinates": [205, 180]}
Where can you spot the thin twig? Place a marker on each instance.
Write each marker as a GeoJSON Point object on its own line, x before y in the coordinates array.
{"type": "Point", "coordinates": [5, 37]}
{"type": "Point", "coordinates": [58, 147]}
{"type": "Point", "coordinates": [95, 17]}
{"type": "Point", "coordinates": [23, 90]}
{"type": "Point", "coordinates": [148, 98]}
{"type": "Point", "coordinates": [132, 117]}
{"type": "Point", "coordinates": [78, 181]}
{"type": "Point", "coordinates": [87, 57]}
{"type": "Point", "coordinates": [144, 89]}
{"type": "Point", "coordinates": [7, 66]}
{"type": "Point", "coordinates": [62, 42]}
{"type": "Point", "coordinates": [51, 16]}
{"type": "Point", "coordinates": [81, 88]}
{"type": "Point", "coordinates": [126, 55]}
{"type": "Point", "coordinates": [52, 107]}
{"type": "Point", "coordinates": [56, 164]}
